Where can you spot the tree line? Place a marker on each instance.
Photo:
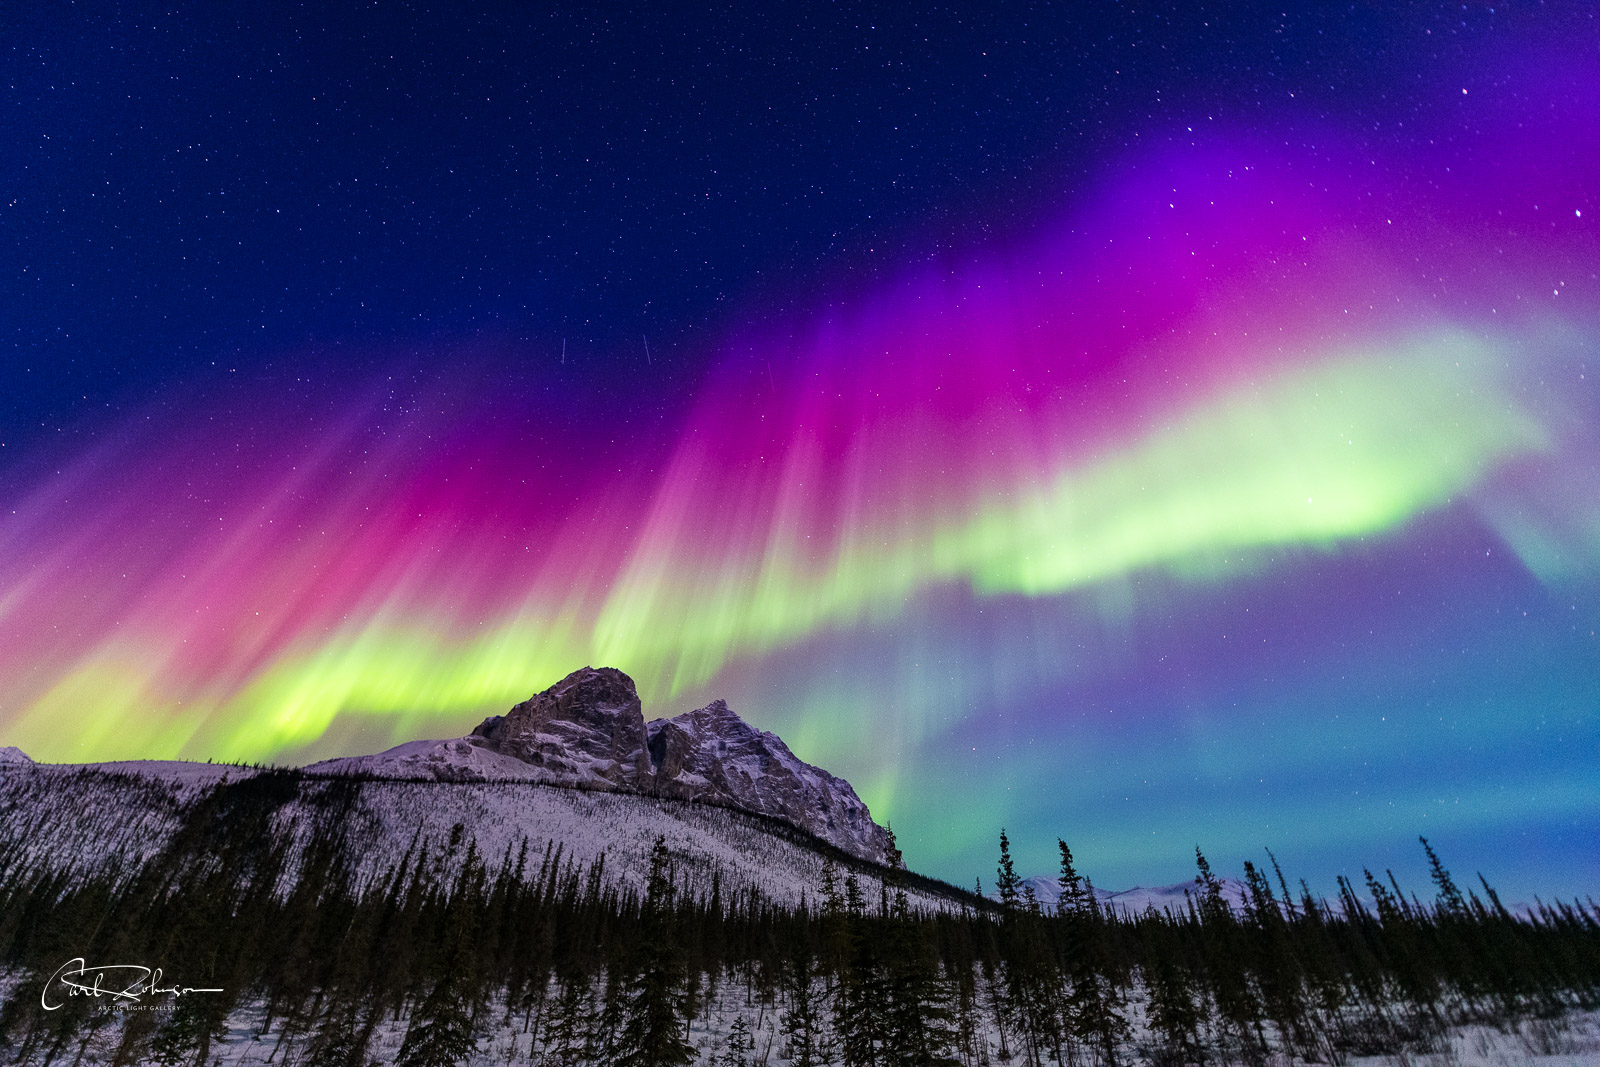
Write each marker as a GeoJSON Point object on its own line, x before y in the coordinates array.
{"type": "Point", "coordinates": [450, 946]}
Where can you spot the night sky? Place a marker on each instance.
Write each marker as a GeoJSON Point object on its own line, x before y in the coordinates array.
{"type": "Point", "coordinates": [1152, 427]}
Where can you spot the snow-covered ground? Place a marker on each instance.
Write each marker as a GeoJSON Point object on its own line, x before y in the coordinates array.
{"type": "Point", "coordinates": [522, 1036]}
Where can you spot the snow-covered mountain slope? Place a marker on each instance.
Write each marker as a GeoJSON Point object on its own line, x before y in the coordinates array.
{"type": "Point", "coordinates": [588, 730]}
{"type": "Point", "coordinates": [93, 818]}
{"type": "Point", "coordinates": [112, 818]}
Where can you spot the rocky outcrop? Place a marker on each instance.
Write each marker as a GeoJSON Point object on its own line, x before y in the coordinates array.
{"type": "Point", "coordinates": [587, 729]}
{"type": "Point", "coordinates": [711, 753]}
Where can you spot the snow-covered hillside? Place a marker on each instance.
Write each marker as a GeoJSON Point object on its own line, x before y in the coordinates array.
{"type": "Point", "coordinates": [115, 816]}
{"type": "Point", "coordinates": [573, 768]}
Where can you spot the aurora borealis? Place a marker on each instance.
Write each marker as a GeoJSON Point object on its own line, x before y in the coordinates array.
{"type": "Point", "coordinates": [1243, 490]}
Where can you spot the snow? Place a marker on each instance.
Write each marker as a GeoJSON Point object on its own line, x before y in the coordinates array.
{"type": "Point", "coordinates": [456, 759]}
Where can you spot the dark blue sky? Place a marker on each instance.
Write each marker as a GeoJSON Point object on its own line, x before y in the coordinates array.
{"type": "Point", "coordinates": [242, 184]}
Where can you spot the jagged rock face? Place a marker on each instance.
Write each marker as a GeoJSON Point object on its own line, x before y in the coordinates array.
{"type": "Point", "coordinates": [587, 729]}
{"type": "Point", "coordinates": [711, 753]}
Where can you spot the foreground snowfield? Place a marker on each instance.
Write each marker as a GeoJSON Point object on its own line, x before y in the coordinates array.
{"type": "Point", "coordinates": [509, 1038]}
{"type": "Point", "coordinates": [1573, 1043]}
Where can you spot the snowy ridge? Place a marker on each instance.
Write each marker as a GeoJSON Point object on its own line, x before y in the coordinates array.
{"type": "Point", "coordinates": [461, 759]}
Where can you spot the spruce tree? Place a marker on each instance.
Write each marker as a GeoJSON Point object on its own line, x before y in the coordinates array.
{"type": "Point", "coordinates": [1174, 1016]}
{"type": "Point", "coordinates": [187, 1034]}
{"type": "Point", "coordinates": [805, 1038]}
{"type": "Point", "coordinates": [566, 1033]}
{"type": "Point", "coordinates": [1225, 966]}
{"type": "Point", "coordinates": [1071, 900]}
{"type": "Point", "coordinates": [337, 1042]}
{"type": "Point", "coordinates": [1007, 883]}
{"type": "Point", "coordinates": [440, 1033]}
{"type": "Point", "coordinates": [918, 1030]}
{"type": "Point", "coordinates": [1091, 1009]}
{"type": "Point", "coordinates": [736, 1052]}
{"type": "Point", "coordinates": [1450, 899]}
{"type": "Point", "coordinates": [860, 998]}
{"type": "Point", "coordinates": [1277, 969]}
{"type": "Point", "coordinates": [655, 1016]}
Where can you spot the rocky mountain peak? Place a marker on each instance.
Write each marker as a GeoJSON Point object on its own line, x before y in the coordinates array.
{"type": "Point", "coordinates": [589, 730]}
{"type": "Point", "coordinates": [713, 716]}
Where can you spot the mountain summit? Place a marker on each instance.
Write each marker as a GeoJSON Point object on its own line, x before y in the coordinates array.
{"type": "Point", "coordinates": [588, 730]}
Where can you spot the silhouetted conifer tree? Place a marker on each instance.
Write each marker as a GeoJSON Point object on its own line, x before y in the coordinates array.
{"type": "Point", "coordinates": [440, 1033]}
{"type": "Point", "coordinates": [738, 1046]}
{"type": "Point", "coordinates": [860, 998]}
{"type": "Point", "coordinates": [653, 1026]}
{"type": "Point", "coordinates": [1450, 899]}
{"type": "Point", "coordinates": [566, 1034]}
{"type": "Point", "coordinates": [1277, 969]}
{"type": "Point", "coordinates": [188, 1031]}
{"type": "Point", "coordinates": [1172, 1006]}
{"type": "Point", "coordinates": [1071, 901]}
{"type": "Point", "coordinates": [1007, 883]}
{"type": "Point", "coordinates": [1224, 953]}
{"type": "Point", "coordinates": [805, 1034]}
{"type": "Point", "coordinates": [918, 1029]}
{"type": "Point", "coordinates": [1091, 1014]}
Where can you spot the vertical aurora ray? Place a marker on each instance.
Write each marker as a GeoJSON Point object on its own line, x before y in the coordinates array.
{"type": "Point", "coordinates": [1206, 510]}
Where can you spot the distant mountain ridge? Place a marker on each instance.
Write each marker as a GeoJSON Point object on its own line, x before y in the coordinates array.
{"type": "Point", "coordinates": [1132, 902]}
{"type": "Point", "coordinates": [588, 730]}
